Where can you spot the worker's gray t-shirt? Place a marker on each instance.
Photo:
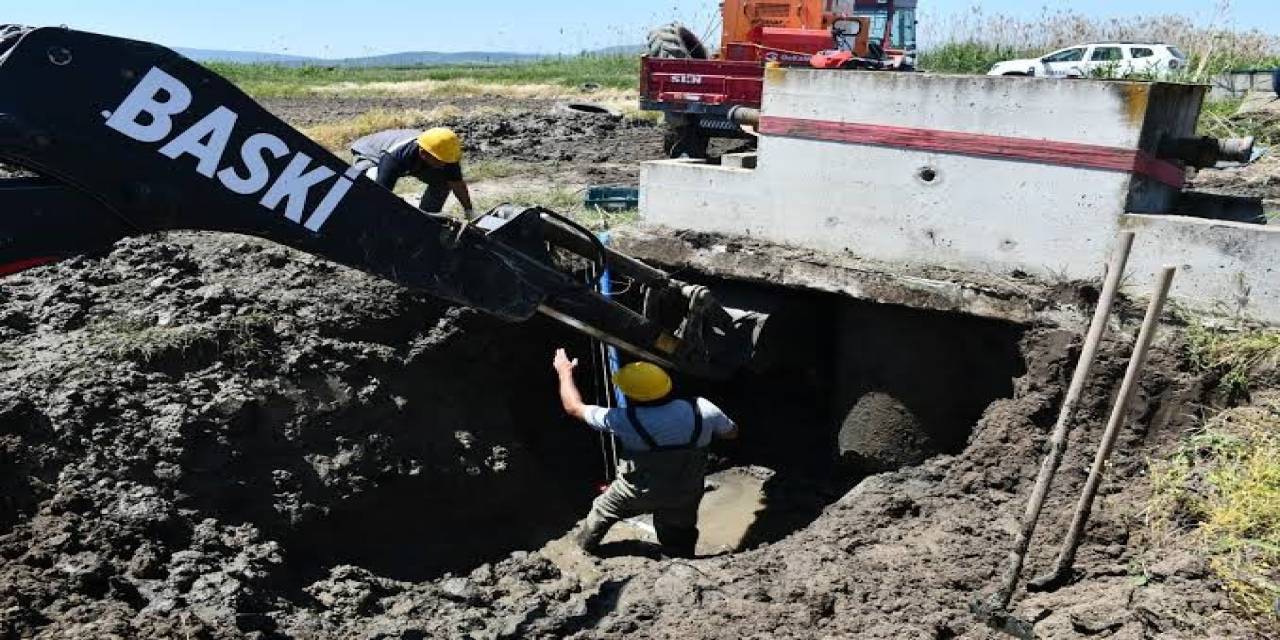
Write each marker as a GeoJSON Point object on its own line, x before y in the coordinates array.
{"type": "Point", "coordinates": [396, 155]}
{"type": "Point", "coordinates": [668, 424]}
{"type": "Point", "coordinates": [374, 145]}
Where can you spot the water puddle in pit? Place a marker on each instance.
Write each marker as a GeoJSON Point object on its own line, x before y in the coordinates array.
{"type": "Point", "coordinates": [733, 501]}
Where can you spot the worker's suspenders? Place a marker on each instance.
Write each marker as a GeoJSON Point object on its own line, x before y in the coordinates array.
{"type": "Point", "coordinates": [634, 419]}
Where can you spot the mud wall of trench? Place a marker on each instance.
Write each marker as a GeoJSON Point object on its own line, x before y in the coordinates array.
{"type": "Point", "coordinates": [207, 422]}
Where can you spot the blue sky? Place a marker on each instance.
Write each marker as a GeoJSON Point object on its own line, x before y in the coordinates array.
{"type": "Point", "coordinates": [329, 28]}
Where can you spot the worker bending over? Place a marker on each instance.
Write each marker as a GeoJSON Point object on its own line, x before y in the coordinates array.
{"type": "Point", "coordinates": [664, 460]}
{"type": "Point", "coordinates": [433, 156]}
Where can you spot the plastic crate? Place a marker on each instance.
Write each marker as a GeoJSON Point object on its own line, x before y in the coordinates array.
{"type": "Point", "coordinates": [613, 198]}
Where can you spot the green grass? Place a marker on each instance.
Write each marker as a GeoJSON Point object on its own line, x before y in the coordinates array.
{"type": "Point", "coordinates": [968, 57]}
{"type": "Point", "coordinates": [268, 80]}
{"type": "Point", "coordinates": [563, 200]}
{"type": "Point", "coordinates": [493, 169]}
{"type": "Point", "coordinates": [1219, 120]}
{"type": "Point", "coordinates": [1220, 494]}
{"type": "Point", "coordinates": [1243, 360]}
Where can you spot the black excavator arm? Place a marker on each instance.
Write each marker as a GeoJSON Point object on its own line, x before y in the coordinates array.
{"type": "Point", "coordinates": [130, 138]}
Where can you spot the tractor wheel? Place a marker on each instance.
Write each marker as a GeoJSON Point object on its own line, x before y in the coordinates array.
{"type": "Point", "coordinates": [675, 41]}
{"type": "Point", "coordinates": [685, 140]}
{"type": "Point", "coordinates": [880, 433]}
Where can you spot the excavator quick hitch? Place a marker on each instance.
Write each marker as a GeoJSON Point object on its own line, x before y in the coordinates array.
{"type": "Point", "coordinates": [131, 138]}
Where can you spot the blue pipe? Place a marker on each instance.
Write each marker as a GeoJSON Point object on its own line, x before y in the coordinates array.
{"type": "Point", "coordinates": [606, 290]}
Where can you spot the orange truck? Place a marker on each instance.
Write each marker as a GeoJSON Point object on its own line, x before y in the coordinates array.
{"type": "Point", "coordinates": [706, 94]}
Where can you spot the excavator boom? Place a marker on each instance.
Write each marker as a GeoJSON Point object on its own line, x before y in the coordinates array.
{"type": "Point", "coordinates": [131, 138]}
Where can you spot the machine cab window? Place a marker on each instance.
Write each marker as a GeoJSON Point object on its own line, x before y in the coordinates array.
{"type": "Point", "coordinates": [898, 17]}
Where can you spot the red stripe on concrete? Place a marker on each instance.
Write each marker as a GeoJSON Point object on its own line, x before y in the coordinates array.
{"type": "Point", "coordinates": [1069, 154]}
{"type": "Point", "coordinates": [1162, 170]}
{"type": "Point", "coordinates": [22, 265]}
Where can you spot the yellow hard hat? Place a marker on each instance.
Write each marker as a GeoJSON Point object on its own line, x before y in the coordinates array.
{"type": "Point", "coordinates": [643, 381]}
{"type": "Point", "coordinates": [442, 143]}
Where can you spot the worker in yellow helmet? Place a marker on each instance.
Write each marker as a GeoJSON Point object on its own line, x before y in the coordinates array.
{"type": "Point", "coordinates": [664, 460]}
{"type": "Point", "coordinates": [433, 156]}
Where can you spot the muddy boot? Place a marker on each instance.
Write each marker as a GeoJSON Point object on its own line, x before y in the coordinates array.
{"type": "Point", "coordinates": [589, 534]}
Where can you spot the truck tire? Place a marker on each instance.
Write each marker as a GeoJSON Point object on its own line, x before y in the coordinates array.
{"type": "Point", "coordinates": [880, 434]}
{"type": "Point", "coordinates": [675, 41]}
{"type": "Point", "coordinates": [682, 139]}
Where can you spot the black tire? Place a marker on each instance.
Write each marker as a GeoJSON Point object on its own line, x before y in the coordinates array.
{"type": "Point", "coordinates": [685, 141]}
{"type": "Point", "coordinates": [880, 434]}
{"type": "Point", "coordinates": [675, 41]}
{"type": "Point", "coordinates": [10, 34]}
{"type": "Point", "coordinates": [588, 108]}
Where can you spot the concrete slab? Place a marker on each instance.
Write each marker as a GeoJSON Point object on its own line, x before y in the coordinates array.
{"type": "Point", "coordinates": [929, 191]}
{"type": "Point", "coordinates": [1226, 269]}
{"type": "Point", "coordinates": [1016, 298]}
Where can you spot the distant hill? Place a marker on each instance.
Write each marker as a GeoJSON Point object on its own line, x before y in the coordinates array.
{"type": "Point", "coordinates": [403, 59]}
{"type": "Point", "coordinates": [621, 50]}
{"type": "Point", "coordinates": [410, 58]}
{"type": "Point", "coordinates": [216, 55]}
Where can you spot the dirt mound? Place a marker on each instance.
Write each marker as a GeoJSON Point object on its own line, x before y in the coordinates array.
{"type": "Point", "coordinates": [561, 136]}
{"type": "Point", "coordinates": [522, 130]}
{"type": "Point", "coordinates": [1258, 180]}
{"type": "Point", "coordinates": [880, 433]}
{"type": "Point", "coordinates": [202, 424]}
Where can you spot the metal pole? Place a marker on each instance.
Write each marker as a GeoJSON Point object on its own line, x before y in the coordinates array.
{"type": "Point", "coordinates": [1067, 555]}
{"type": "Point", "coordinates": [611, 359]}
{"type": "Point", "coordinates": [603, 392]}
{"type": "Point", "coordinates": [1058, 441]}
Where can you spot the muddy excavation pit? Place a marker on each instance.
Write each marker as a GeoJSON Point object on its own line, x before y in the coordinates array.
{"type": "Point", "coordinates": [461, 454]}
{"type": "Point", "coordinates": [808, 438]}
{"type": "Point", "coordinates": [812, 407]}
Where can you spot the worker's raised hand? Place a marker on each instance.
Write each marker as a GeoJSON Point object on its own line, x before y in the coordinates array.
{"type": "Point", "coordinates": [562, 363]}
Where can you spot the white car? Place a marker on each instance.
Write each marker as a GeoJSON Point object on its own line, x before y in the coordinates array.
{"type": "Point", "coordinates": [1101, 60]}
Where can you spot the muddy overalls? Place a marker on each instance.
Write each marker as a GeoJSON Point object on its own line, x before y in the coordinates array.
{"type": "Point", "coordinates": [665, 480]}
